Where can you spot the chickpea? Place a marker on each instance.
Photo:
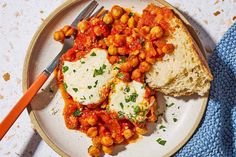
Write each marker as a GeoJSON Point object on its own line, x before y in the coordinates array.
{"type": "Point", "coordinates": [136, 74]}
{"type": "Point", "coordinates": [96, 141]}
{"type": "Point", "coordinates": [94, 21]}
{"type": "Point", "coordinates": [113, 59]}
{"type": "Point", "coordinates": [119, 139]}
{"type": "Point", "coordinates": [156, 32]}
{"type": "Point", "coordinates": [129, 39]}
{"type": "Point", "coordinates": [107, 150]}
{"type": "Point", "coordinates": [150, 49]}
{"type": "Point", "coordinates": [97, 30]}
{"type": "Point", "coordinates": [107, 19]}
{"type": "Point", "coordinates": [134, 53]}
{"type": "Point", "coordinates": [69, 32]}
{"type": "Point", "coordinates": [141, 131]}
{"type": "Point", "coordinates": [145, 29]}
{"type": "Point", "coordinates": [126, 67]}
{"type": "Point", "coordinates": [124, 18]}
{"type": "Point", "coordinates": [159, 51]}
{"type": "Point", "coordinates": [102, 44]}
{"type": "Point", "coordinates": [107, 141]}
{"type": "Point", "coordinates": [131, 22]}
{"type": "Point", "coordinates": [119, 39]}
{"type": "Point", "coordinates": [92, 132]}
{"type": "Point", "coordinates": [92, 120]}
{"type": "Point", "coordinates": [109, 40]}
{"type": "Point", "coordinates": [65, 28]}
{"type": "Point", "coordinates": [134, 61]}
{"type": "Point", "coordinates": [142, 55]}
{"type": "Point", "coordinates": [128, 133]}
{"type": "Point", "coordinates": [112, 50]}
{"type": "Point", "coordinates": [94, 151]}
{"type": "Point", "coordinates": [168, 48]}
{"type": "Point", "coordinates": [144, 67]}
{"type": "Point", "coordinates": [59, 36]}
{"type": "Point", "coordinates": [116, 11]}
{"type": "Point", "coordinates": [83, 26]}
{"type": "Point", "coordinates": [150, 60]}
{"type": "Point", "coordinates": [121, 51]}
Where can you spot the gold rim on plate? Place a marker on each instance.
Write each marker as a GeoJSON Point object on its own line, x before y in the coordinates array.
{"type": "Point", "coordinates": [25, 80]}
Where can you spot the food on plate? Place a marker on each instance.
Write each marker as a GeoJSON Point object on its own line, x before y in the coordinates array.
{"type": "Point", "coordinates": [183, 72]}
{"type": "Point", "coordinates": [108, 79]}
{"type": "Point", "coordinates": [130, 100]}
{"type": "Point", "coordinates": [87, 79]}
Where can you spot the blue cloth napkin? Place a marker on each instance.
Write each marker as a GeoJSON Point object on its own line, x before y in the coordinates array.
{"type": "Point", "coordinates": [216, 135]}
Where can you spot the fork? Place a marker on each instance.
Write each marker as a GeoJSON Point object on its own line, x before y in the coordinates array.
{"type": "Point", "coordinates": [9, 120]}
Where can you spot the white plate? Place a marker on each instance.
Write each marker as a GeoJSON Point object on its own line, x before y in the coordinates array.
{"type": "Point", "coordinates": [46, 108]}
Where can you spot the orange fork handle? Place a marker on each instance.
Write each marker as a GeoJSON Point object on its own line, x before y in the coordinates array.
{"type": "Point", "coordinates": [21, 104]}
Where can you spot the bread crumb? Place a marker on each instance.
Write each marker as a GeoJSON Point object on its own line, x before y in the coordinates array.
{"type": "Point", "coordinates": [8, 153]}
{"type": "Point", "coordinates": [234, 18]}
{"type": "Point", "coordinates": [229, 23]}
{"type": "Point", "coordinates": [217, 1]}
{"type": "Point", "coordinates": [205, 21]}
{"type": "Point", "coordinates": [216, 13]}
{"type": "Point", "coordinates": [1, 97]}
{"type": "Point", "coordinates": [4, 5]}
{"type": "Point", "coordinates": [6, 76]}
{"type": "Point", "coordinates": [208, 49]}
{"type": "Point", "coordinates": [17, 14]}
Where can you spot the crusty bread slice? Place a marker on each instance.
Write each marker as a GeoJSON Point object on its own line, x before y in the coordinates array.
{"type": "Point", "coordinates": [183, 72]}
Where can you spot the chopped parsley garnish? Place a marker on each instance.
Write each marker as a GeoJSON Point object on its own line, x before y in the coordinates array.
{"type": "Point", "coordinates": [120, 75]}
{"type": "Point", "coordinates": [175, 119]}
{"type": "Point", "coordinates": [86, 69]}
{"type": "Point", "coordinates": [90, 96]}
{"type": "Point", "coordinates": [142, 42]}
{"type": "Point", "coordinates": [83, 98]}
{"type": "Point", "coordinates": [99, 71]}
{"type": "Point", "coordinates": [136, 109]}
{"type": "Point", "coordinates": [75, 89]}
{"type": "Point", "coordinates": [131, 14]}
{"type": "Point", "coordinates": [65, 86]}
{"type": "Point", "coordinates": [112, 85]}
{"type": "Point", "coordinates": [172, 104]}
{"type": "Point", "coordinates": [89, 87]}
{"type": "Point", "coordinates": [121, 114]}
{"type": "Point", "coordinates": [127, 89]}
{"type": "Point", "coordinates": [162, 127]}
{"type": "Point", "coordinates": [77, 113]}
{"type": "Point", "coordinates": [93, 54]}
{"type": "Point", "coordinates": [122, 59]}
{"type": "Point", "coordinates": [96, 82]}
{"type": "Point", "coordinates": [144, 85]}
{"type": "Point", "coordinates": [82, 62]}
{"type": "Point", "coordinates": [65, 69]}
{"type": "Point", "coordinates": [161, 141]}
{"type": "Point", "coordinates": [132, 98]}
{"type": "Point", "coordinates": [116, 68]}
{"type": "Point", "coordinates": [74, 70]}
{"type": "Point", "coordinates": [122, 105]}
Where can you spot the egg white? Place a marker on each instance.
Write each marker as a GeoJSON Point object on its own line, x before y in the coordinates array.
{"type": "Point", "coordinates": [85, 79]}
{"type": "Point", "coordinates": [127, 98]}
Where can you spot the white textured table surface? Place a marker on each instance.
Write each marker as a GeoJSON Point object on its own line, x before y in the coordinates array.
{"type": "Point", "coordinates": [19, 20]}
